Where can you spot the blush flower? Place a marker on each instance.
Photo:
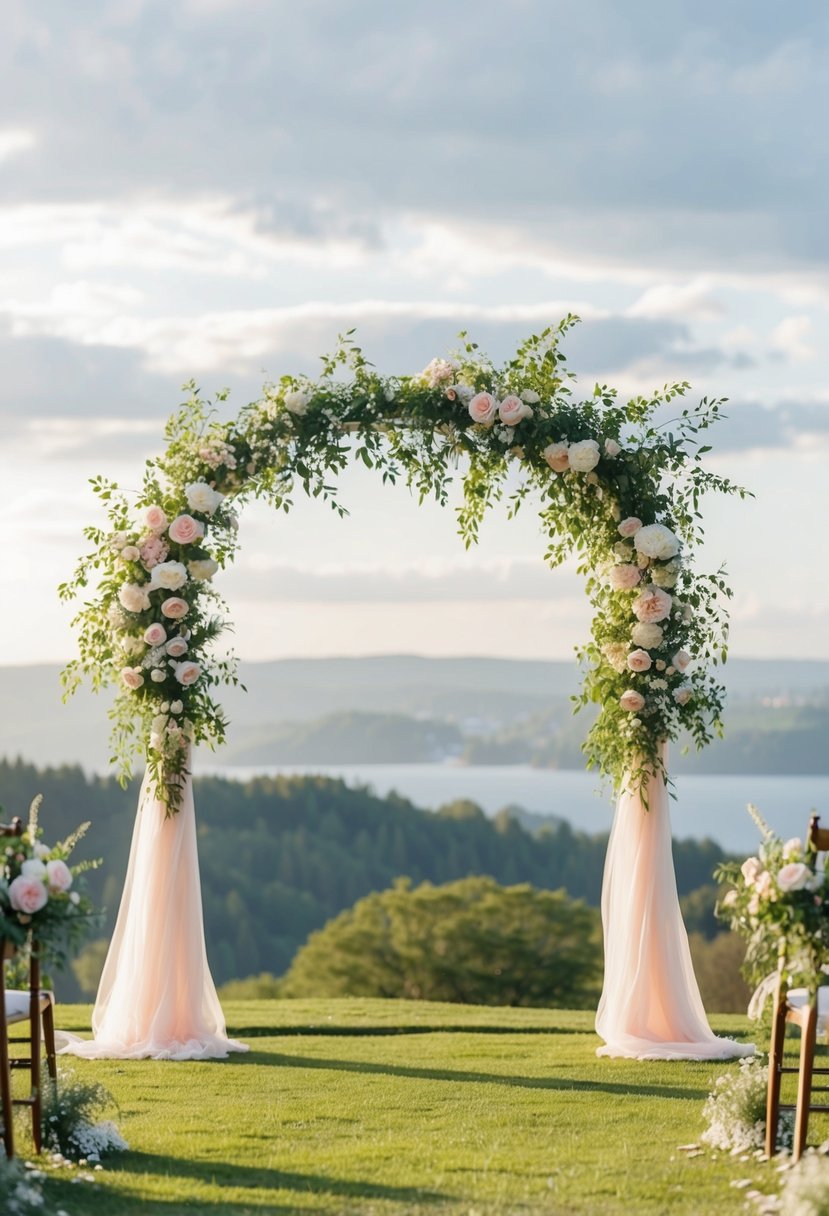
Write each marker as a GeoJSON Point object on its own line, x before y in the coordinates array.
{"type": "Point", "coordinates": [584, 455]}
{"type": "Point", "coordinates": [155, 519]}
{"type": "Point", "coordinates": [632, 701]}
{"type": "Point", "coordinates": [794, 876]}
{"type": "Point", "coordinates": [175, 608]}
{"type": "Point", "coordinates": [58, 875]}
{"type": "Point", "coordinates": [683, 694]}
{"type": "Point", "coordinates": [611, 448]}
{"type": "Point", "coordinates": [629, 526]}
{"type": "Point", "coordinates": [27, 895]}
{"type": "Point", "coordinates": [153, 550]}
{"type": "Point", "coordinates": [132, 677]}
{"type": "Point", "coordinates": [639, 660]}
{"type": "Point", "coordinates": [176, 647]}
{"type": "Point", "coordinates": [184, 530]}
{"type": "Point", "coordinates": [155, 634]}
{"type": "Point", "coordinates": [512, 409]}
{"type": "Point", "coordinates": [652, 605]}
{"type": "Point", "coordinates": [557, 456]}
{"type": "Point", "coordinates": [482, 409]}
{"type": "Point", "coordinates": [681, 660]}
{"type": "Point", "coordinates": [133, 598]}
{"type": "Point", "coordinates": [624, 577]}
{"type": "Point", "coordinates": [187, 673]}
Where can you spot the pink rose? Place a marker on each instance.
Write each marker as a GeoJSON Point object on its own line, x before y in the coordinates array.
{"type": "Point", "coordinates": [184, 530]}
{"type": "Point", "coordinates": [155, 634]}
{"type": "Point", "coordinates": [681, 660]}
{"type": "Point", "coordinates": [652, 605]}
{"type": "Point", "coordinates": [639, 660]}
{"type": "Point", "coordinates": [630, 526]}
{"type": "Point", "coordinates": [58, 875]}
{"type": "Point", "coordinates": [793, 877]}
{"type": "Point", "coordinates": [132, 677]}
{"type": "Point", "coordinates": [482, 408]}
{"type": "Point", "coordinates": [512, 410]}
{"type": "Point", "coordinates": [27, 895]}
{"type": "Point", "coordinates": [557, 456]}
{"type": "Point", "coordinates": [153, 550]}
{"type": "Point", "coordinates": [624, 578]}
{"type": "Point", "coordinates": [175, 608]}
{"type": "Point", "coordinates": [176, 647]}
{"type": "Point", "coordinates": [187, 673]}
{"type": "Point", "coordinates": [155, 519]}
{"type": "Point", "coordinates": [632, 701]}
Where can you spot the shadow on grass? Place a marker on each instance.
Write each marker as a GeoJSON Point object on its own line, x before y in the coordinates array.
{"type": "Point", "coordinates": [277, 1059]}
{"type": "Point", "coordinates": [265, 1178]}
{"type": "Point", "coordinates": [275, 1032]}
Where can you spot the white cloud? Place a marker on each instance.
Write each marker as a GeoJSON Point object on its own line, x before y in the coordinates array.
{"type": "Point", "coordinates": [13, 141]}
{"type": "Point", "coordinates": [694, 300]}
{"type": "Point", "coordinates": [791, 338]}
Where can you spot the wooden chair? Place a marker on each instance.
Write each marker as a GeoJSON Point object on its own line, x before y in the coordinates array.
{"type": "Point", "coordinates": [809, 1011]}
{"type": "Point", "coordinates": [37, 1007]}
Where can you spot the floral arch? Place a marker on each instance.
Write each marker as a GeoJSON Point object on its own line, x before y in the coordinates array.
{"type": "Point", "coordinates": [614, 487]}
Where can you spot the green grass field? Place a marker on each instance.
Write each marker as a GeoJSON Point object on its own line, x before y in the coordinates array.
{"type": "Point", "coordinates": [387, 1107]}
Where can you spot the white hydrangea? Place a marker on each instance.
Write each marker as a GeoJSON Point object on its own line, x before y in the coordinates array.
{"type": "Point", "coordinates": [655, 540]}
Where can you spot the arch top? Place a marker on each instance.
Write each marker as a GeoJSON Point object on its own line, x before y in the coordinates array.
{"type": "Point", "coordinates": [615, 484]}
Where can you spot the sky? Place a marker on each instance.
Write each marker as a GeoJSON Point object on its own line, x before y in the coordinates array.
{"type": "Point", "coordinates": [213, 190]}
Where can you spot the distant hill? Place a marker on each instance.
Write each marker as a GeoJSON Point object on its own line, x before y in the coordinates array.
{"type": "Point", "coordinates": [494, 700]}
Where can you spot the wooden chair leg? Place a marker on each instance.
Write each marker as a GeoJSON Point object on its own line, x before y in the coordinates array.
{"type": "Point", "coordinates": [776, 1049]}
{"type": "Point", "coordinates": [5, 1073]}
{"type": "Point", "coordinates": [34, 1064]}
{"type": "Point", "coordinates": [808, 1037]}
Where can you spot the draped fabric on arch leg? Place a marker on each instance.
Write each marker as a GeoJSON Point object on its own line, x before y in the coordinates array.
{"type": "Point", "coordinates": [650, 1008]}
{"type": "Point", "coordinates": [156, 997]}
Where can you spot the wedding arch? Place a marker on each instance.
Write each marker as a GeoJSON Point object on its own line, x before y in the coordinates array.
{"type": "Point", "coordinates": [617, 485]}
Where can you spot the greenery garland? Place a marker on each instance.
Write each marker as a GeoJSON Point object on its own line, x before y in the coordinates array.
{"type": "Point", "coordinates": [616, 489]}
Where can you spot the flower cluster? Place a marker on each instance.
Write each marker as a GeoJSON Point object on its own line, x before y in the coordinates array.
{"type": "Point", "coordinates": [735, 1110]}
{"type": "Point", "coordinates": [70, 1124]}
{"type": "Point", "coordinates": [612, 487]}
{"type": "Point", "coordinates": [778, 901]}
{"type": "Point", "coordinates": [40, 893]}
{"type": "Point", "coordinates": [21, 1188]}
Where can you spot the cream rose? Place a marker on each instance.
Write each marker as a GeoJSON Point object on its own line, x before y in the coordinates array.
{"type": "Point", "coordinates": [616, 654]}
{"type": "Point", "coordinates": [176, 707]}
{"type": "Point", "coordinates": [155, 634]}
{"type": "Point", "coordinates": [176, 647]}
{"type": "Point", "coordinates": [683, 694]}
{"type": "Point", "coordinates": [33, 867]}
{"type": "Point", "coordinates": [639, 660]}
{"type": "Point", "coordinates": [184, 530]}
{"type": "Point", "coordinates": [632, 701]}
{"type": "Point", "coordinates": [27, 895]}
{"type": "Point", "coordinates": [624, 578]}
{"type": "Point", "coordinates": [647, 636]}
{"type": "Point", "coordinates": [512, 409]}
{"type": "Point", "coordinates": [155, 519]}
{"type": "Point", "coordinates": [132, 677]}
{"type": "Point", "coordinates": [751, 869]}
{"type": "Point", "coordinates": [557, 456]}
{"type": "Point", "coordinates": [794, 876]}
{"type": "Point", "coordinates": [681, 660]}
{"type": "Point", "coordinates": [175, 608]}
{"type": "Point", "coordinates": [629, 526]}
{"type": "Point", "coordinates": [187, 673]}
{"type": "Point", "coordinates": [130, 553]}
{"type": "Point", "coordinates": [584, 455]}
{"type": "Point", "coordinates": [652, 605]}
{"type": "Point", "coordinates": [297, 401]}
{"type": "Point", "coordinates": [655, 540]}
{"type": "Point", "coordinates": [169, 575]}
{"type": "Point", "coordinates": [133, 598]}
{"type": "Point", "coordinates": [792, 848]}
{"type": "Point", "coordinates": [203, 498]}
{"type": "Point", "coordinates": [530, 396]}
{"type": "Point", "coordinates": [482, 409]}
{"type": "Point", "coordinates": [202, 571]}
{"type": "Point", "coordinates": [611, 448]}
{"type": "Point", "coordinates": [58, 875]}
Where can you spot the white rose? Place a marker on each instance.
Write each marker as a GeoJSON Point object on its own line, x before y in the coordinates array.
{"type": "Point", "coordinates": [130, 553]}
{"type": "Point", "coordinates": [176, 707]}
{"type": "Point", "coordinates": [584, 455]}
{"type": "Point", "coordinates": [169, 575]}
{"type": "Point", "coordinates": [157, 676]}
{"type": "Point", "coordinates": [655, 540]}
{"type": "Point", "coordinates": [792, 848]}
{"type": "Point", "coordinates": [611, 448]}
{"type": "Point", "coordinates": [297, 401]}
{"type": "Point", "coordinates": [646, 635]}
{"type": "Point", "coordinates": [33, 868]}
{"type": "Point", "coordinates": [41, 850]}
{"type": "Point", "coordinates": [683, 694]}
{"type": "Point", "coordinates": [133, 598]}
{"type": "Point", "coordinates": [202, 498]}
{"type": "Point", "coordinates": [202, 571]}
{"type": "Point", "coordinates": [794, 876]}
{"type": "Point", "coordinates": [530, 396]}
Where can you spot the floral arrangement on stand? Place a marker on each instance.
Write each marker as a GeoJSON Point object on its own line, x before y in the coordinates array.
{"type": "Point", "coordinates": [42, 895]}
{"type": "Point", "coordinates": [615, 487]}
{"type": "Point", "coordinates": [778, 901]}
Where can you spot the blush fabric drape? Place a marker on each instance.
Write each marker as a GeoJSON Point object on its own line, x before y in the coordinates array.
{"type": "Point", "coordinates": [650, 1008]}
{"type": "Point", "coordinates": [156, 997]}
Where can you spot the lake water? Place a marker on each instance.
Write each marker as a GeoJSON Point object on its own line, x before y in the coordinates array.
{"type": "Point", "coordinates": [705, 806]}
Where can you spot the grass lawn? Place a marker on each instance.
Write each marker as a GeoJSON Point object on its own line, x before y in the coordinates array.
{"type": "Point", "coordinates": [388, 1107]}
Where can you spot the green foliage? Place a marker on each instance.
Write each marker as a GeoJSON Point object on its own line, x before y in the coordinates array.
{"type": "Point", "coordinates": [472, 941]}
{"type": "Point", "coordinates": [619, 464]}
{"type": "Point", "coordinates": [70, 1119]}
